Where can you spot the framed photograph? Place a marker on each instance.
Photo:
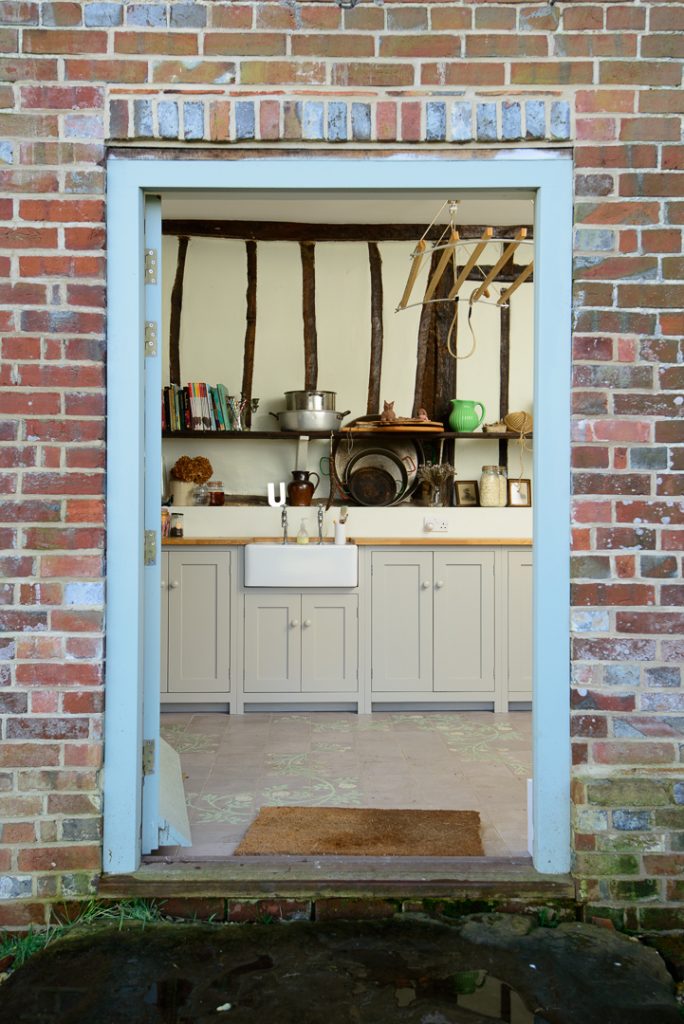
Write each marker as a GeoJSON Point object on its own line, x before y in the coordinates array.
{"type": "Point", "coordinates": [519, 493]}
{"type": "Point", "coordinates": [467, 492]}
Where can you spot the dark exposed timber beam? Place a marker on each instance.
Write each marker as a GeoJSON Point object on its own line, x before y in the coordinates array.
{"type": "Point", "coordinates": [268, 231]}
{"type": "Point", "coordinates": [504, 375]}
{"type": "Point", "coordinates": [250, 329]}
{"type": "Point", "coordinates": [375, 370]}
{"type": "Point", "coordinates": [435, 369]}
{"type": "Point", "coordinates": [291, 231]}
{"type": "Point", "coordinates": [424, 364]}
{"type": "Point", "coordinates": [445, 314]}
{"type": "Point", "coordinates": [176, 312]}
{"type": "Point", "coordinates": [308, 254]}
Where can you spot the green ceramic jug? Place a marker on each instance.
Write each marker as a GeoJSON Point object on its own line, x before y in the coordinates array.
{"type": "Point", "coordinates": [463, 419]}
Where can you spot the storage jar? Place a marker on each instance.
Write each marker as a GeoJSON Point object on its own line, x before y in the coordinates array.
{"type": "Point", "coordinates": [176, 529]}
{"type": "Point", "coordinates": [216, 495]}
{"type": "Point", "coordinates": [491, 490]}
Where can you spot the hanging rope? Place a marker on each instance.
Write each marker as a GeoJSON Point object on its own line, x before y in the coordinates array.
{"type": "Point", "coordinates": [434, 219]}
{"type": "Point", "coordinates": [453, 349]}
{"type": "Point", "coordinates": [522, 422]}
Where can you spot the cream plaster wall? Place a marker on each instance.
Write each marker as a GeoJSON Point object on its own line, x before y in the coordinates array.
{"type": "Point", "coordinates": [212, 339]}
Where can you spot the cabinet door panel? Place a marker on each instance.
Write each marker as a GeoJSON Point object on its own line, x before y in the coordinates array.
{"type": "Point", "coordinates": [199, 622]}
{"type": "Point", "coordinates": [519, 627]}
{"type": "Point", "coordinates": [464, 621]}
{"type": "Point", "coordinates": [164, 666]}
{"type": "Point", "coordinates": [272, 643]}
{"type": "Point", "coordinates": [402, 621]}
{"type": "Point", "coordinates": [329, 643]}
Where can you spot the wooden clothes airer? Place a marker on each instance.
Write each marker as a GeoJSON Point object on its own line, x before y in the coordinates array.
{"type": "Point", "coordinates": [449, 249]}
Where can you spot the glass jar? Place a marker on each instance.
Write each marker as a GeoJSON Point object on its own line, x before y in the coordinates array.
{"type": "Point", "coordinates": [165, 522]}
{"type": "Point", "coordinates": [201, 495]}
{"type": "Point", "coordinates": [176, 527]}
{"type": "Point", "coordinates": [490, 488]}
{"type": "Point", "coordinates": [503, 486]}
{"type": "Point", "coordinates": [216, 495]}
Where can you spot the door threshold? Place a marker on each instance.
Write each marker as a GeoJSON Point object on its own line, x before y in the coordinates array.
{"type": "Point", "coordinates": [464, 878]}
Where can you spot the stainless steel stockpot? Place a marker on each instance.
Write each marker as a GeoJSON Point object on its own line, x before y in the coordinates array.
{"type": "Point", "coordinates": [309, 419]}
{"type": "Point", "coordinates": [311, 401]}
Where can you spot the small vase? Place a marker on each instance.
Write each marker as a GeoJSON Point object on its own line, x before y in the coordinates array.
{"type": "Point", "coordinates": [182, 492]}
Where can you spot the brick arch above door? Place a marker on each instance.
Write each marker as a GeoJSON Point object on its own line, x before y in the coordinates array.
{"type": "Point", "coordinates": [335, 118]}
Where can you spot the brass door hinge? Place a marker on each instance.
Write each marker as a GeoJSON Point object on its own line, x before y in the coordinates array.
{"type": "Point", "coordinates": [150, 266]}
{"type": "Point", "coordinates": [150, 547]}
{"type": "Point", "coordinates": [148, 752]}
{"type": "Point", "coordinates": [150, 338]}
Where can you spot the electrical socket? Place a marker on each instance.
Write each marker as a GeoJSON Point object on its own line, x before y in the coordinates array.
{"type": "Point", "coordinates": [434, 524]}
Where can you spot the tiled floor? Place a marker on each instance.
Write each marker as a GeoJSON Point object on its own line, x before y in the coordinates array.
{"type": "Point", "coordinates": [233, 765]}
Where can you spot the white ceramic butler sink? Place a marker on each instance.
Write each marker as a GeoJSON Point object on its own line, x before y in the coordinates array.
{"type": "Point", "coordinates": [301, 565]}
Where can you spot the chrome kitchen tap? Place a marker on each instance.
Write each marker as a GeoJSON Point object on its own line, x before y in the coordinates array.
{"type": "Point", "coordinates": [283, 523]}
{"type": "Point", "coordinates": [320, 524]}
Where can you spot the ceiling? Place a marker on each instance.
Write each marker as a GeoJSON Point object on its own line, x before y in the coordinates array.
{"type": "Point", "coordinates": [498, 209]}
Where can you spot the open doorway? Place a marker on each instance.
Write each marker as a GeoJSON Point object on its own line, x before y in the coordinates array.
{"type": "Point", "coordinates": [404, 696]}
{"type": "Point", "coordinates": [283, 731]}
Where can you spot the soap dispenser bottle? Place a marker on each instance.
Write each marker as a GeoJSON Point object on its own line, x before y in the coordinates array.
{"type": "Point", "coordinates": [303, 534]}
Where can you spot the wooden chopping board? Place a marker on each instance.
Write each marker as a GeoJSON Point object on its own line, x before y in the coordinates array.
{"type": "Point", "coordinates": [398, 426]}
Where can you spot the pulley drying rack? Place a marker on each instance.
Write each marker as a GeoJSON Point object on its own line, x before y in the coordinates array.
{"type": "Point", "coordinates": [449, 249]}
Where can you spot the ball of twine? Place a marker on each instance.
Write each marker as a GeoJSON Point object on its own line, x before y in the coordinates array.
{"type": "Point", "coordinates": [519, 422]}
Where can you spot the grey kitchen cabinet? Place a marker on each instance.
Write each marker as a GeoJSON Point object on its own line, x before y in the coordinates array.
{"type": "Point", "coordinates": [518, 635]}
{"type": "Point", "coordinates": [196, 633]}
{"type": "Point", "coordinates": [432, 632]}
{"type": "Point", "coordinates": [402, 616]}
{"type": "Point", "coordinates": [272, 657]}
{"type": "Point", "coordinates": [164, 654]}
{"type": "Point", "coordinates": [300, 643]}
{"type": "Point", "coordinates": [329, 643]}
{"type": "Point", "coordinates": [463, 621]}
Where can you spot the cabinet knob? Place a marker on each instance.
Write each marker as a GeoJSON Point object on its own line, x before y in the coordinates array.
{"type": "Point", "coordinates": [306, 623]}
{"type": "Point", "coordinates": [294, 623]}
{"type": "Point", "coordinates": [425, 584]}
{"type": "Point", "coordinates": [163, 584]}
{"type": "Point", "coordinates": [173, 584]}
{"type": "Point", "coordinates": [439, 584]}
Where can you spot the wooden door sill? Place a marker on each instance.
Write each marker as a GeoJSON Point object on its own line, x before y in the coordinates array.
{"type": "Point", "coordinates": [465, 878]}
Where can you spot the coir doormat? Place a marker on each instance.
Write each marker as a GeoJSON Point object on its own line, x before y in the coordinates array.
{"type": "Point", "coordinates": [362, 832]}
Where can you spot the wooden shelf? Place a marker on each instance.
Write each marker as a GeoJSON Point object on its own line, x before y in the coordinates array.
{"type": "Point", "coordinates": [291, 435]}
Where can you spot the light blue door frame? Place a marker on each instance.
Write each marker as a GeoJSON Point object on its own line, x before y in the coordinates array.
{"type": "Point", "coordinates": [549, 175]}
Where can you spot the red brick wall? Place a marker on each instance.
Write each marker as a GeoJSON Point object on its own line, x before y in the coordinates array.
{"type": "Point", "coordinates": [78, 74]}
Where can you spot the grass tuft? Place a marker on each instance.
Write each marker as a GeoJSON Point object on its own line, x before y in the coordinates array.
{"type": "Point", "coordinates": [19, 948]}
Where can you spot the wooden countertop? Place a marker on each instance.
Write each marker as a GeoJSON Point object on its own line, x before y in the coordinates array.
{"type": "Point", "coordinates": [198, 542]}
{"type": "Point", "coordinates": [431, 541]}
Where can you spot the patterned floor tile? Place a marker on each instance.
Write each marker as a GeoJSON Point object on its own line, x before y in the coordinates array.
{"type": "Point", "coordinates": [233, 765]}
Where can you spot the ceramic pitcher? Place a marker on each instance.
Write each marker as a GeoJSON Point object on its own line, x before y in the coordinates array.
{"type": "Point", "coordinates": [463, 419]}
{"type": "Point", "coordinates": [300, 489]}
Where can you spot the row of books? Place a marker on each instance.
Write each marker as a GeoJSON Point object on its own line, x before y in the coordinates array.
{"type": "Point", "coordinates": [199, 406]}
